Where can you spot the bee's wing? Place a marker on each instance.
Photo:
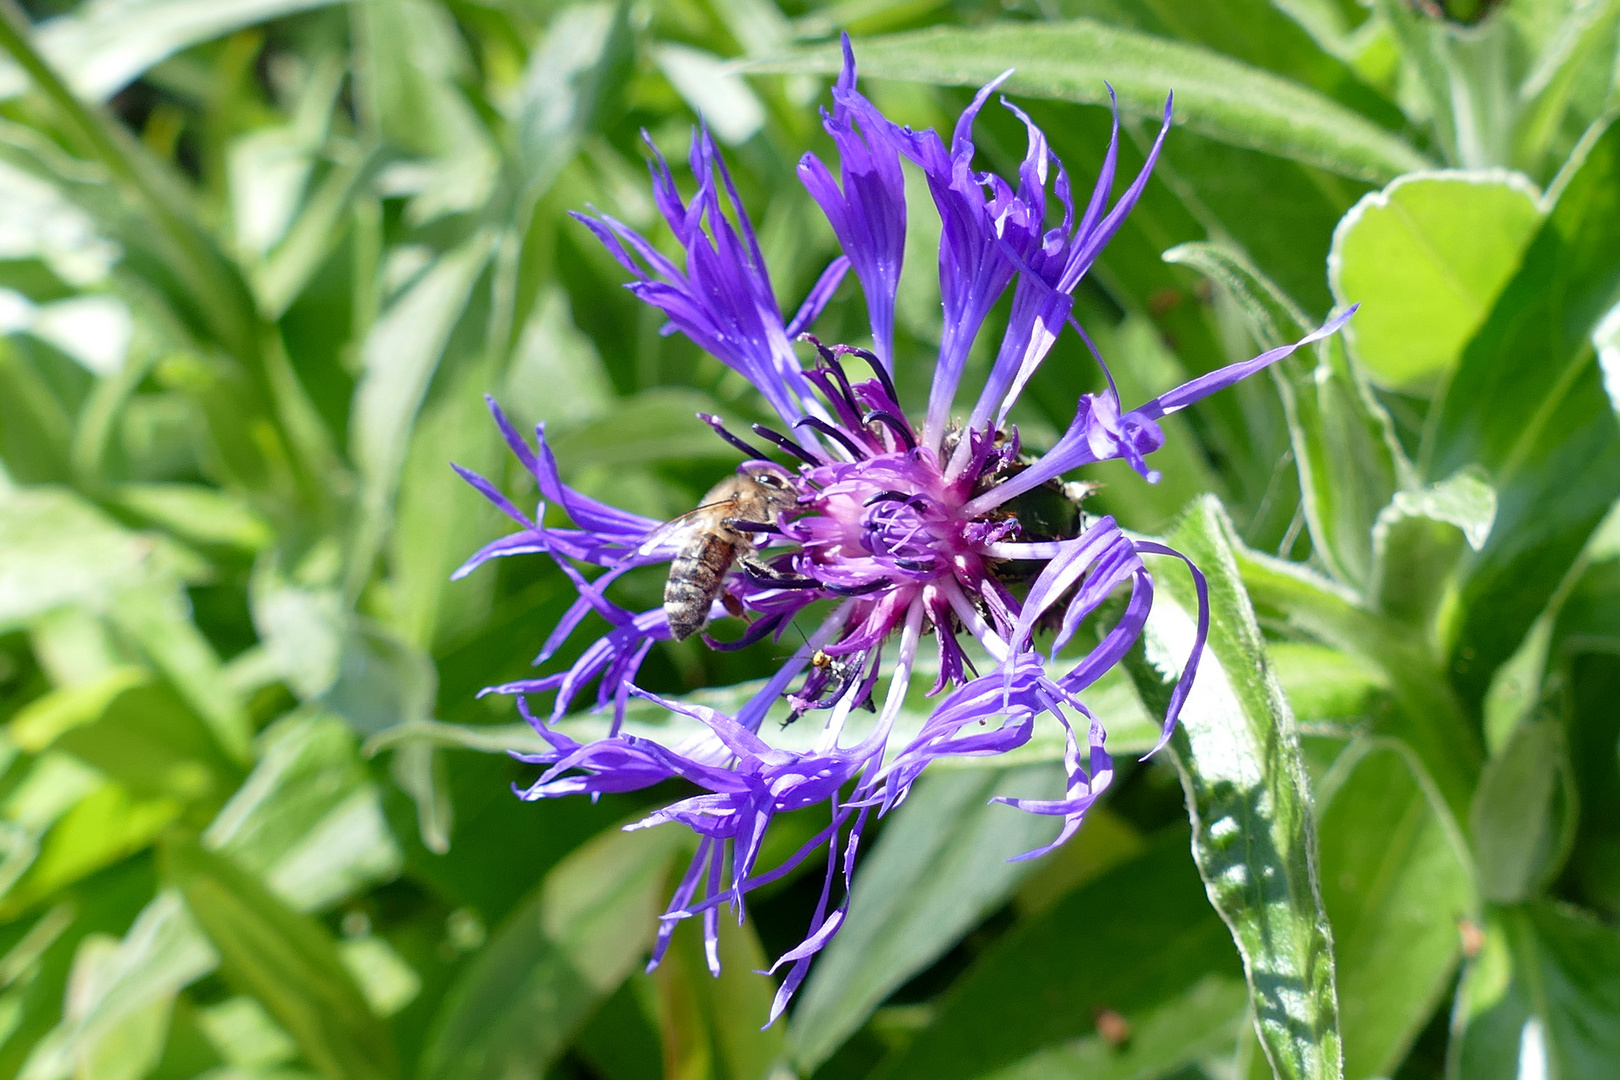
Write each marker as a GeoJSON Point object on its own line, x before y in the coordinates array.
{"type": "Point", "coordinates": [675, 526]}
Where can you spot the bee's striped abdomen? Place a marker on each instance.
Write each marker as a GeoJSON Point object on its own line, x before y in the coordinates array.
{"type": "Point", "coordinates": [695, 579]}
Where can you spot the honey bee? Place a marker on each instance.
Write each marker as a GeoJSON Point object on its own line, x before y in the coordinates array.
{"type": "Point", "coordinates": [717, 534]}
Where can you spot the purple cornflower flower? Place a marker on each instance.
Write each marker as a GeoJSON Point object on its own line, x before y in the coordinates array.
{"type": "Point", "coordinates": [907, 530]}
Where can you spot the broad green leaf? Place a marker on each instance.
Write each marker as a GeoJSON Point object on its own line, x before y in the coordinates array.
{"type": "Point", "coordinates": [1544, 431]}
{"type": "Point", "coordinates": [307, 819]}
{"type": "Point", "coordinates": [1583, 44]}
{"type": "Point", "coordinates": [713, 91]}
{"type": "Point", "coordinates": [105, 44]}
{"type": "Point", "coordinates": [286, 960]}
{"type": "Point", "coordinates": [383, 680]}
{"type": "Point", "coordinates": [143, 736]}
{"type": "Point", "coordinates": [102, 828]}
{"type": "Point", "coordinates": [117, 1014]}
{"type": "Point", "coordinates": [939, 868]}
{"type": "Point", "coordinates": [712, 1025]}
{"type": "Point", "coordinates": [1542, 998]}
{"type": "Point", "coordinates": [1203, 1022]}
{"type": "Point", "coordinates": [1395, 895]}
{"type": "Point", "coordinates": [1325, 684]}
{"type": "Point", "coordinates": [427, 544]}
{"type": "Point", "coordinates": [1426, 258]}
{"type": "Point", "coordinates": [1253, 833]}
{"type": "Point", "coordinates": [39, 723]}
{"type": "Point", "coordinates": [1586, 668]}
{"type": "Point", "coordinates": [415, 67]}
{"type": "Point", "coordinates": [157, 616]}
{"type": "Point", "coordinates": [400, 356]}
{"type": "Point", "coordinates": [244, 1034]}
{"type": "Point", "coordinates": [268, 168]}
{"type": "Point", "coordinates": [560, 953]}
{"type": "Point", "coordinates": [1427, 715]}
{"type": "Point", "coordinates": [569, 85]}
{"type": "Point", "coordinates": [1417, 542]}
{"type": "Point", "coordinates": [654, 425]}
{"type": "Point", "coordinates": [1342, 448]}
{"type": "Point", "coordinates": [288, 269]}
{"type": "Point", "coordinates": [1146, 939]}
{"type": "Point", "coordinates": [1524, 813]}
{"type": "Point", "coordinates": [201, 515]}
{"type": "Point", "coordinates": [56, 549]}
{"type": "Point", "coordinates": [387, 981]}
{"type": "Point", "coordinates": [53, 784]}
{"type": "Point", "coordinates": [1215, 96]}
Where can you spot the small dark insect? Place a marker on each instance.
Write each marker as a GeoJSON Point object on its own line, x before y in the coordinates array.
{"type": "Point", "coordinates": [716, 534]}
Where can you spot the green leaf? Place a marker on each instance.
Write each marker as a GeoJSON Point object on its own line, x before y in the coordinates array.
{"type": "Point", "coordinates": [56, 549]}
{"type": "Point", "coordinates": [103, 828]}
{"type": "Point", "coordinates": [400, 356]}
{"type": "Point", "coordinates": [558, 955]}
{"type": "Point", "coordinates": [1215, 95]}
{"type": "Point", "coordinates": [1542, 998]}
{"type": "Point", "coordinates": [202, 515]}
{"type": "Point", "coordinates": [1395, 895]}
{"type": "Point", "coordinates": [1149, 940]}
{"type": "Point", "coordinates": [308, 820]}
{"type": "Point", "coordinates": [286, 960]}
{"type": "Point", "coordinates": [102, 46]}
{"type": "Point", "coordinates": [157, 616]}
{"type": "Point", "coordinates": [654, 425]}
{"type": "Point", "coordinates": [414, 70]}
{"type": "Point", "coordinates": [118, 1015]}
{"type": "Point", "coordinates": [1417, 543]}
{"type": "Point", "coordinates": [1324, 684]}
{"type": "Point", "coordinates": [244, 1034]}
{"type": "Point", "coordinates": [567, 89]}
{"type": "Point", "coordinates": [713, 91]}
{"type": "Point", "coordinates": [712, 1025]}
{"type": "Point", "coordinates": [1253, 833]}
{"type": "Point", "coordinates": [1427, 715]}
{"type": "Point", "coordinates": [1524, 813]}
{"type": "Point", "coordinates": [1340, 436]}
{"type": "Point", "coordinates": [1544, 432]}
{"type": "Point", "coordinates": [939, 867]}
{"type": "Point", "coordinates": [1202, 1022]}
{"type": "Point", "coordinates": [142, 736]}
{"type": "Point", "coordinates": [1426, 258]}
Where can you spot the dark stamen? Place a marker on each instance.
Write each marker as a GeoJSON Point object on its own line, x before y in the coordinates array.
{"type": "Point", "coordinates": [894, 424]}
{"type": "Point", "coordinates": [787, 444]}
{"type": "Point", "coordinates": [842, 376]}
{"type": "Point", "coordinates": [921, 566]}
{"type": "Point", "coordinates": [754, 453]}
{"type": "Point", "coordinates": [754, 633]}
{"type": "Point", "coordinates": [857, 590]}
{"type": "Point", "coordinates": [826, 353]}
{"type": "Point", "coordinates": [768, 581]}
{"type": "Point", "coordinates": [838, 397]}
{"type": "Point", "coordinates": [833, 433]}
{"type": "Point", "coordinates": [916, 502]}
{"type": "Point", "coordinates": [875, 364]}
{"type": "Point", "coordinates": [751, 526]}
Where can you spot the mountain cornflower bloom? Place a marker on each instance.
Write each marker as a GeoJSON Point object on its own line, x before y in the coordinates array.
{"type": "Point", "coordinates": [909, 529]}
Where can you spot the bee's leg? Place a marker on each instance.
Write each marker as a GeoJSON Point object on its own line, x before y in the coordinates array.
{"type": "Point", "coordinates": [734, 607]}
{"type": "Point", "coordinates": [762, 573]}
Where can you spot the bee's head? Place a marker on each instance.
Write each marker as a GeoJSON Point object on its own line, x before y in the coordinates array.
{"type": "Point", "coordinates": [775, 482]}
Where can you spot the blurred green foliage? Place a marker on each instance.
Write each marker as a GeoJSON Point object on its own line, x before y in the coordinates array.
{"type": "Point", "coordinates": [259, 262]}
